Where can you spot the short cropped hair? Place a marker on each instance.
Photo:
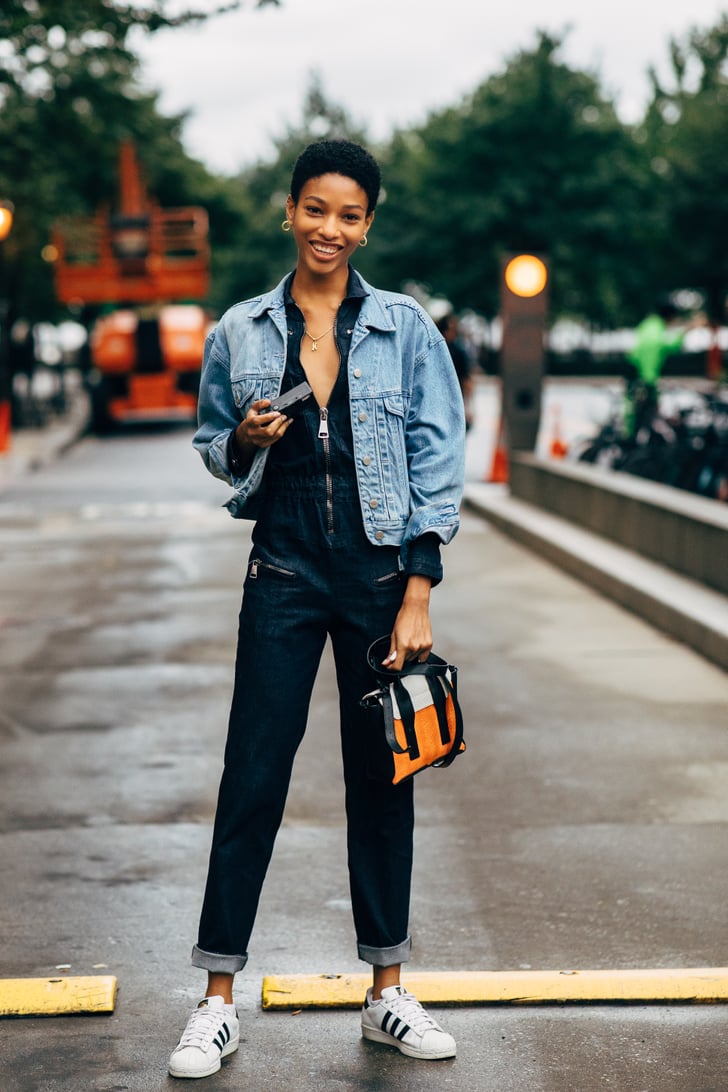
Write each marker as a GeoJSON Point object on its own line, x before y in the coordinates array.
{"type": "Point", "coordinates": [338, 157]}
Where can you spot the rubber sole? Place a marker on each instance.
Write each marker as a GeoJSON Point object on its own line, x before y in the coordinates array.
{"type": "Point", "coordinates": [376, 1035]}
{"type": "Point", "coordinates": [229, 1048]}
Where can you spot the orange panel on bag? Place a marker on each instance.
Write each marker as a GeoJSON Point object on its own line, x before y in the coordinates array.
{"type": "Point", "coordinates": [428, 738]}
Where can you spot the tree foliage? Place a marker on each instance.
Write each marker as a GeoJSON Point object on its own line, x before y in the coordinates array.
{"type": "Point", "coordinates": [69, 93]}
{"type": "Point", "coordinates": [536, 159]}
{"type": "Point", "coordinates": [685, 135]}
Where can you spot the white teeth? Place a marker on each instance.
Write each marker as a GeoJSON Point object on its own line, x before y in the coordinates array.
{"type": "Point", "coordinates": [324, 249]}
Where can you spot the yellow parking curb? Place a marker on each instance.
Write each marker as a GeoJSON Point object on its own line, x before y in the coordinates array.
{"type": "Point", "coordinates": [685, 985]}
{"type": "Point", "coordinates": [57, 996]}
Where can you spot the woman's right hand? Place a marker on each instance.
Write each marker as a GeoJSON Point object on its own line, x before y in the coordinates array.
{"type": "Point", "coordinates": [260, 429]}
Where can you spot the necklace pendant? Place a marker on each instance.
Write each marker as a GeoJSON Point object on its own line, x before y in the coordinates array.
{"type": "Point", "coordinates": [314, 345]}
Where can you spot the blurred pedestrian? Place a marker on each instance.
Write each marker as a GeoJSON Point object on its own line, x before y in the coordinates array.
{"type": "Point", "coordinates": [658, 336]}
{"type": "Point", "coordinates": [449, 328]}
{"type": "Point", "coordinates": [352, 498]}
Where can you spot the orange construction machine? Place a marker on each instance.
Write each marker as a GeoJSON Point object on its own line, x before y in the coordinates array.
{"type": "Point", "coordinates": [140, 262]}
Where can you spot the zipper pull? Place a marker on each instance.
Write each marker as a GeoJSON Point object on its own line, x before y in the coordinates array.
{"type": "Point", "coordinates": [254, 569]}
{"type": "Point", "coordinates": [323, 432]}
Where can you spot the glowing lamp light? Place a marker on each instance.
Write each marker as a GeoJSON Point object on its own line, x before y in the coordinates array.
{"type": "Point", "coordinates": [526, 275]}
{"type": "Point", "coordinates": [6, 218]}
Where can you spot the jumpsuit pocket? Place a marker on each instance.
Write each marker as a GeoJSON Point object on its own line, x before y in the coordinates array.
{"type": "Point", "coordinates": [257, 567]}
{"type": "Point", "coordinates": [388, 579]}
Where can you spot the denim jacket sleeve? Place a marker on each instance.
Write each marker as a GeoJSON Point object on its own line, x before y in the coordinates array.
{"type": "Point", "coordinates": [435, 442]}
{"type": "Point", "coordinates": [218, 415]}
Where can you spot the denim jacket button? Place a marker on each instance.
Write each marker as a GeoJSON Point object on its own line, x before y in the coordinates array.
{"type": "Point", "coordinates": [362, 416]}
{"type": "Point", "coordinates": [366, 460]}
{"type": "Point", "coordinates": [379, 535]}
{"type": "Point", "coordinates": [357, 373]}
{"type": "Point", "coordinates": [374, 503]}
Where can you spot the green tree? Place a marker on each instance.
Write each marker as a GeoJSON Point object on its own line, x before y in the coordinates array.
{"type": "Point", "coordinates": [536, 158]}
{"type": "Point", "coordinates": [685, 133]}
{"type": "Point", "coordinates": [69, 93]}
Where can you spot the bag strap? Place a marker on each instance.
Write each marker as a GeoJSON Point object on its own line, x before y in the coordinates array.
{"type": "Point", "coordinates": [439, 701]}
{"type": "Point", "coordinates": [407, 713]}
{"type": "Point", "coordinates": [458, 734]}
{"type": "Point", "coordinates": [385, 700]}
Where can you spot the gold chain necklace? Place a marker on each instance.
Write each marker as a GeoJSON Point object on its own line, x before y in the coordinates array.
{"type": "Point", "coordinates": [315, 340]}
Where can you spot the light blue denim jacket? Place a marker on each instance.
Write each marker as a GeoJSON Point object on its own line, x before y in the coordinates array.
{"type": "Point", "coordinates": [406, 411]}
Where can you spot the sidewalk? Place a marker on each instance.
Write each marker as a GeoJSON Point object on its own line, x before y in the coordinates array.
{"type": "Point", "coordinates": [31, 448]}
{"type": "Point", "coordinates": [686, 610]}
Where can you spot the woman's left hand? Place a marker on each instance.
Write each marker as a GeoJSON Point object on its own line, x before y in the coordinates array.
{"type": "Point", "coordinates": [411, 637]}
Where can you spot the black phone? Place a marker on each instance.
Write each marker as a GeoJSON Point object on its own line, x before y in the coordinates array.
{"type": "Point", "coordinates": [290, 402]}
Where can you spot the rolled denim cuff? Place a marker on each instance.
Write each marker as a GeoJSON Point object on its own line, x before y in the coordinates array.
{"type": "Point", "coordinates": [217, 963]}
{"type": "Point", "coordinates": [423, 558]}
{"type": "Point", "coordinates": [386, 957]}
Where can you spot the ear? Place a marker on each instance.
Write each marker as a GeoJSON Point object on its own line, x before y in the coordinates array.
{"type": "Point", "coordinates": [368, 222]}
{"type": "Point", "coordinates": [290, 207]}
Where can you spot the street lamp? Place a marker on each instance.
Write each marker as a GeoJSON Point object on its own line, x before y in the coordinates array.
{"type": "Point", "coordinates": [7, 211]}
{"type": "Point", "coordinates": [524, 283]}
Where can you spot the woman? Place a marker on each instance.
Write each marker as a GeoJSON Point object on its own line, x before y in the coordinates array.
{"type": "Point", "coordinates": [352, 497]}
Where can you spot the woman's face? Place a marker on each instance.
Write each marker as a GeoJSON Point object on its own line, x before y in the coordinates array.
{"type": "Point", "coordinates": [328, 221]}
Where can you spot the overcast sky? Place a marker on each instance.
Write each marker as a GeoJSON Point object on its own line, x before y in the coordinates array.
{"type": "Point", "coordinates": [243, 76]}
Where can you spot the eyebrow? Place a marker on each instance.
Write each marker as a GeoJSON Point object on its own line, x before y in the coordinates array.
{"type": "Point", "coordinates": [353, 205]}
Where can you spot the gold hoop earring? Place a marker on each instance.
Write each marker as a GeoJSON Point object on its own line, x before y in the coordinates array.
{"type": "Point", "coordinates": [286, 225]}
{"type": "Point", "coordinates": [363, 241]}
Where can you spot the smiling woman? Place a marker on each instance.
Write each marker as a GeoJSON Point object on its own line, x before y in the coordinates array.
{"type": "Point", "coordinates": [353, 497]}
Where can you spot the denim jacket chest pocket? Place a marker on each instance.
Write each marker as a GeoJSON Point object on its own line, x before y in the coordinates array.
{"type": "Point", "coordinates": [257, 362]}
{"type": "Point", "coordinates": [378, 419]}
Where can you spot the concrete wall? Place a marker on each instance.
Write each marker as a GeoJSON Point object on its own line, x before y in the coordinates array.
{"type": "Point", "coordinates": [686, 533]}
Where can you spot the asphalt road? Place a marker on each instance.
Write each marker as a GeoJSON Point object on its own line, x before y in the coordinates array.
{"type": "Point", "coordinates": [585, 827]}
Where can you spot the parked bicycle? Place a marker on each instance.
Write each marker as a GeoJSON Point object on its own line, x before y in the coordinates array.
{"type": "Point", "coordinates": [682, 442]}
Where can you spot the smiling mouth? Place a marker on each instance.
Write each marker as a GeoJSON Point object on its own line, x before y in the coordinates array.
{"type": "Point", "coordinates": [324, 249]}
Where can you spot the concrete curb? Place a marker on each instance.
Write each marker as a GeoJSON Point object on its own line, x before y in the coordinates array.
{"type": "Point", "coordinates": [686, 610]}
{"type": "Point", "coordinates": [33, 448]}
{"type": "Point", "coordinates": [57, 996]}
{"type": "Point", "coordinates": [663, 985]}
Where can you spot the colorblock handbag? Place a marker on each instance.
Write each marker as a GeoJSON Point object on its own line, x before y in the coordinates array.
{"type": "Point", "coordinates": [417, 717]}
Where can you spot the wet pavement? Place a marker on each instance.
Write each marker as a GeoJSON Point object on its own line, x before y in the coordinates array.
{"type": "Point", "coordinates": [585, 827]}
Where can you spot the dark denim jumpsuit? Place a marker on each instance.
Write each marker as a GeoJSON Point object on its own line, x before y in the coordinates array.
{"type": "Point", "coordinates": [312, 572]}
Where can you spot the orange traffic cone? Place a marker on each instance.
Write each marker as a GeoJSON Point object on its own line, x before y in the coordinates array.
{"type": "Point", "coordinates": [499, 471]}
{"type": "Point", "coordinates": [4, 426]}
{"type": "Point", "coordinates": [558, 447]}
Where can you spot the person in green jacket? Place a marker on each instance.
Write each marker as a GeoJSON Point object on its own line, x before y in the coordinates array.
{"type": "Point", "coordinates": [658, 336]}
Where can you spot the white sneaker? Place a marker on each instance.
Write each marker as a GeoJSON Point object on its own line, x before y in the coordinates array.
{"type": "Point", "coordinates": [399, 1020]}
{"type": "Point", "coordinates": [212, 1032]}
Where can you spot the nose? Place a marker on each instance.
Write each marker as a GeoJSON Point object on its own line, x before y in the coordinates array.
{"type": "Point", "coordinates": [328, 226]}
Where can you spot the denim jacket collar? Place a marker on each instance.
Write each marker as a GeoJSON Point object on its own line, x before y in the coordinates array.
{"type": "Point", "coordinates": [373, 313]}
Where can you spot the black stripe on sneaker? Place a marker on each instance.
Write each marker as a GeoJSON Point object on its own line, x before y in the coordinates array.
{"type": "Point", "coordinates": [222, 1038]}
{"type": "Point", "coordinates": [401, 1034]}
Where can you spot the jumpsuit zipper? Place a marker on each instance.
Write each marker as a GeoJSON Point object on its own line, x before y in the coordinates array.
{"type": "Point", "coordinates": [323, 435]}
{"type": "Point", "coordinates": [256, 563]}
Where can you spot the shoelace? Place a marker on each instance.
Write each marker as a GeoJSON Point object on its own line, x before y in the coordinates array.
{"type": "Point", "coordinates": [408, 1008]}
{"type": "Point", "coordinates": [201, 1028]}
